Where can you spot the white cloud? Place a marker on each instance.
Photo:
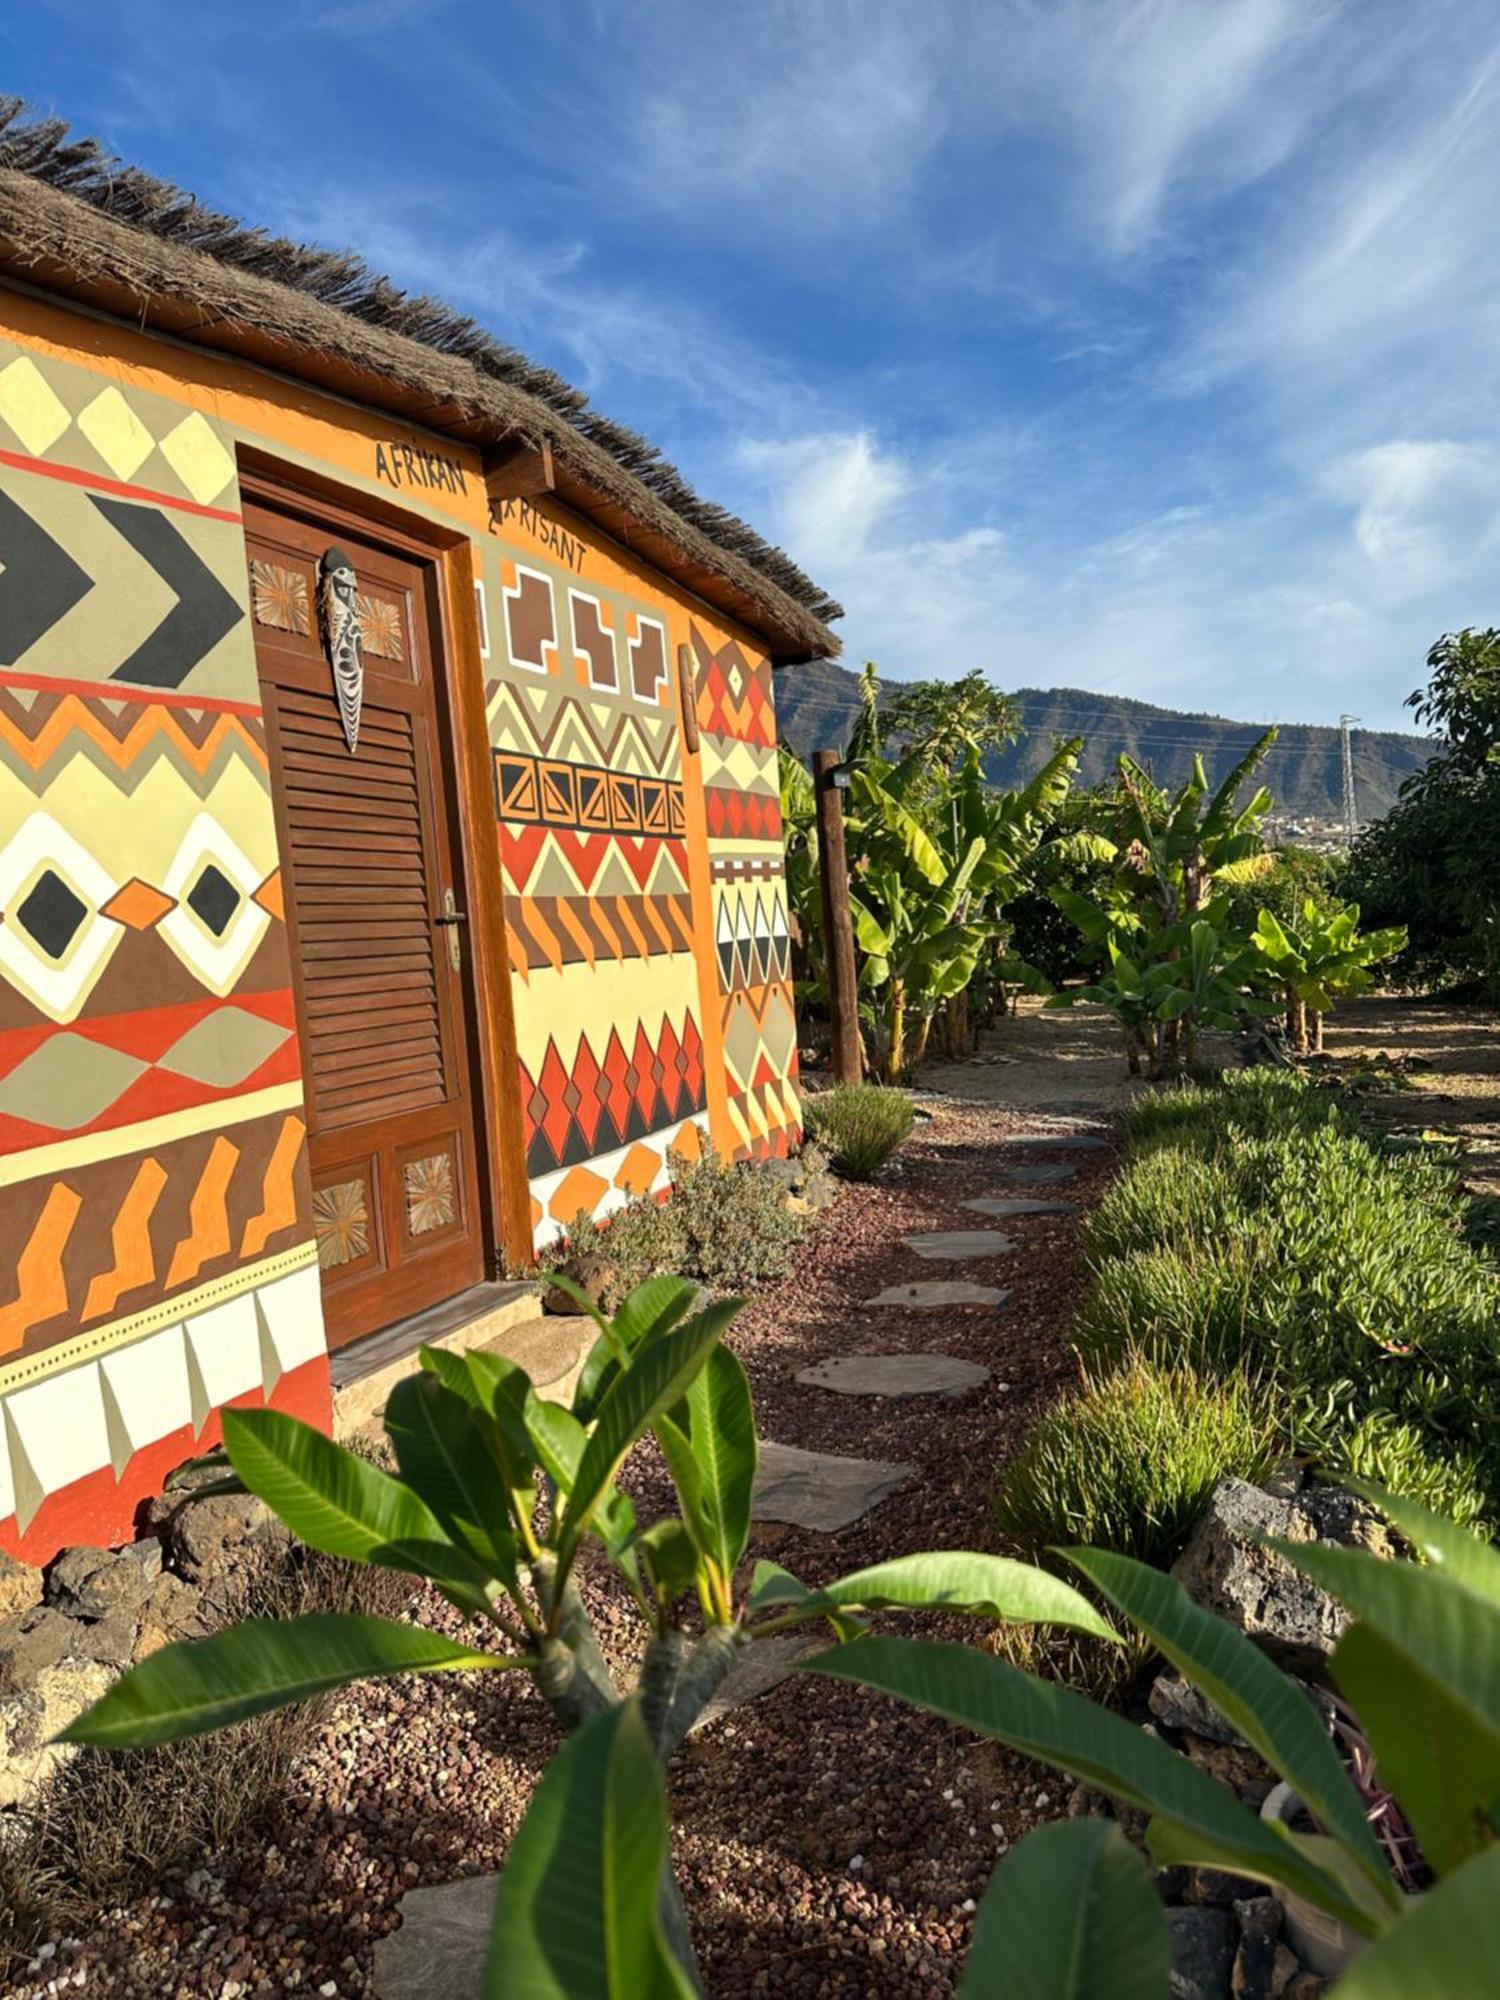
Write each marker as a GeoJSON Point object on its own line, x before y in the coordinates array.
{"type": "Point", "coordinates": [1424, 510]}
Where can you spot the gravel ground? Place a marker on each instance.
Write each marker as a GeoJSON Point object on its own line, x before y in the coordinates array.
{"type": "Point", "coordinates": [1460, 1090]}
{"type": "Point", "coordinates": [830, 1842]}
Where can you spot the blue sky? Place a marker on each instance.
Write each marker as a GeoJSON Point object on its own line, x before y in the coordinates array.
{"type": "Point", "coordinates": [1150, 346]}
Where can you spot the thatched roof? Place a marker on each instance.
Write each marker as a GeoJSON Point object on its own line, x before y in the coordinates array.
{"type": "Point", "coordinates": [75, 220]}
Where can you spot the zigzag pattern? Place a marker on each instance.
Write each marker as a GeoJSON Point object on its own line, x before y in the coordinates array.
{"type": "Point", "coordinates": [751, 936]}
{"type": "Point", "coordinates": [545, 719]}
{"type": "Point", "coordinates": [554, 861]}
{"type": "Point", "coordinates": [41, 733]}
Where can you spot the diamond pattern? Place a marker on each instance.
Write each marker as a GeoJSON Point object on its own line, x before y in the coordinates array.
{"type": "Point", "coordinates": [599, 1105]}
{"type": "Point", "coordinates": [198, 458]}
{"type": "Point", "coordinates": [31, 407]}
{"type": "Point", "coordinates": [116, 433]}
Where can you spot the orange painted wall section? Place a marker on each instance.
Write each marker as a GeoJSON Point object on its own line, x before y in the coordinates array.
{"type": "Point", "coordinates": [159, 1240]}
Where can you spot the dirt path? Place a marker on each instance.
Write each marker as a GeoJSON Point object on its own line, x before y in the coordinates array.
{"type": "Point", "coordinates": [1458, 1089]}
{"type": "Point", "coordinates": [829, 1842]}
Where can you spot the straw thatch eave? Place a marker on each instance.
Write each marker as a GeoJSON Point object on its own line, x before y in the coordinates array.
{"type": "Point", "coordinates": [176, 268]}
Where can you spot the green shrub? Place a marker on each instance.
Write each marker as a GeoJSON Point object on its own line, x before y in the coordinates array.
{"type": "Point", "coordinates": [726, 1223]}
{"type": "Point", "coordinates": [1128, 1463]}
{"type": "Point", "coordinates": [735, 1222]}
{"type": "Point", "coordinates": [1191, 1306]}
{"type": "Point", "coordinates": [1244, 1104]}
{"type": "Point", "coordinates": [1399, 1457]}
{"type": "Point", "coordinates": [1167, 1198]}
{"type": "Point", "coordinates": [1257, 1228]}
{"type": "Point", "coordinates": [859, 1126]}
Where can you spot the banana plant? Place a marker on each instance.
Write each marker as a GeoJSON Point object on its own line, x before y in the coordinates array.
{"type": "Point", "coordinates": [1164, 984]}
{"type": "Point", "coordinates": [1322, 959]}
{"type": "Point", "coordinates": [1420, 1667]}
{"type": "Point", "coordinates": [497, 1498]}
{"type": "Point", "coordinates": [928, 889]}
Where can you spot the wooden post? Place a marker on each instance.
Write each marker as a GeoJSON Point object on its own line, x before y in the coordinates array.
{"type": "Point", "coordinates": [838, 926]}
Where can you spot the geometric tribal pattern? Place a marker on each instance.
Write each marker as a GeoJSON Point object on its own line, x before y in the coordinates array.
{"type": "Point", "coordinates": [608, 1180]}
{"type": "Point", "coordinates": [734, 693]}
{"type": "Point", "coordinates": [51, 409]}
{"type": "Point", "coordinates": [112, 1427]}
{"type": "Point", "coordinates": [102, 1236]}
{"type": "Point", "coordinates": [737, 815]}
{"type": "Point", "coordinates": [122, 813]}
{"type": "Point", "coordinates": [65, 912]}
{"type": "Point", "coordinates": [602, 1101]}
{"type": "Point", "coordinates": [753, 941]}
{"type": "Point", "coordinates": [141, 594]}
{"type": "Point", "coordinates": [584, 798]}
{"type": "Point", "coordinates": [566, 726]}
{"type": "Point", "coordinates": [737, 718]}
{"type": "Point", "coordinates": [128, 1067]}
{"type": "Point", "coordinates": [572, 930]}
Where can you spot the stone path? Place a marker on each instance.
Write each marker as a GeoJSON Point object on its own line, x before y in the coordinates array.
{"type": "Point", "coordinates": [1002, 1205]}
{"type": "Point", "coordinates": [820, 1490]}
{"type": "Point", "coordinates": [442, 1944]}
{"type": "Point", "coordinates": [929, 1292]}
{"type": "Point", "coordinates": [1030, 1175]}
{"type": "Point", "coordinates": [959, 1246]}
{"type": "Point", "coordinates": [1068, 1142]}
{"type": "Point", "coordinates": [895, 1375]}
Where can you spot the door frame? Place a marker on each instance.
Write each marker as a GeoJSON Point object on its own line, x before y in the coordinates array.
{"type": "Point", "coordinates": [488, 1022]}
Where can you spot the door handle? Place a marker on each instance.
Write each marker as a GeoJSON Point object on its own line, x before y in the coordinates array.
{"type": "Point", "coordinates": [452, 916]}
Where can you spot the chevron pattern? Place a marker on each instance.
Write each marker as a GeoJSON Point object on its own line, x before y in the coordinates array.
{"type": "Point", "coordinates": [146, 593]}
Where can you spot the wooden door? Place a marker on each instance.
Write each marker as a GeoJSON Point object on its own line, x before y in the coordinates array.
{"type": "Point", "coordinates": [369, 875]}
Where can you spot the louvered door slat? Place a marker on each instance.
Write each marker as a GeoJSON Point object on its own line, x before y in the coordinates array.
{"type": "Point", "coordinates": [360, 952]}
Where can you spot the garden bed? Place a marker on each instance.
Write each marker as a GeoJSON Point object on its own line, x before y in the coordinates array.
{"type": "Point", "coordinates": [829, 1842]}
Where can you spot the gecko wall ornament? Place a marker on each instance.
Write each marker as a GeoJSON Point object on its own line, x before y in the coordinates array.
{"type": "Point", "coordinates": [338, 598]}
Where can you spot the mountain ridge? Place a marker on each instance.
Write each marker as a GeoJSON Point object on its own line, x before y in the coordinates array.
{"type": "Point", "coordinates": [816, 706]}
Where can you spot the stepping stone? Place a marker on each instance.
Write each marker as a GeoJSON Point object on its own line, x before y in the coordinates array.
{"type": "Point", "coordinates": [1072, 1142]}
{"type": "Point", "coordinates": [760, 1667]}
{"type": "Point", "coordinates": [1037, 1176]}
{"type": "Point", "coordinates": [895, 1375]}
{"type": "Point", "coordinates": [941, 1292]}
{"type": "Point", "coordinates": [1002, 1205]}
{"type": "Point", "coordinates": [442, 1944]}
{"type": "Point", "coordinates": [951, 1246]}
{"type": "Point", "coordinates": [815, 1489]}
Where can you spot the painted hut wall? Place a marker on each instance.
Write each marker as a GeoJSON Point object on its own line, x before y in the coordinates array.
{"type": "Point", "coordinates": [158, 1252]}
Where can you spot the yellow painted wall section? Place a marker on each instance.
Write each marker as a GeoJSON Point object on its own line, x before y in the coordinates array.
{"type": "Point", "coordinates": [158, 1239]}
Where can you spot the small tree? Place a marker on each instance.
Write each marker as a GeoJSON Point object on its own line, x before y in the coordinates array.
{"type": "Point", "coordinates": [1321, 959]}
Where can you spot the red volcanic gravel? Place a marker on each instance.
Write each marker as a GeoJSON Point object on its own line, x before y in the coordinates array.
{"type": "Point", "coordinates": [829, 1841]}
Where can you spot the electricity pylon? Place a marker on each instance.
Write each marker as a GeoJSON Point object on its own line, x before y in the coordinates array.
{"type": "Point", "coordinates": [1351, 816]}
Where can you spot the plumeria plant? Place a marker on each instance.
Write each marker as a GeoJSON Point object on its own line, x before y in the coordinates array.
{"type": "Point", "coordinates": [497, 1497]}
